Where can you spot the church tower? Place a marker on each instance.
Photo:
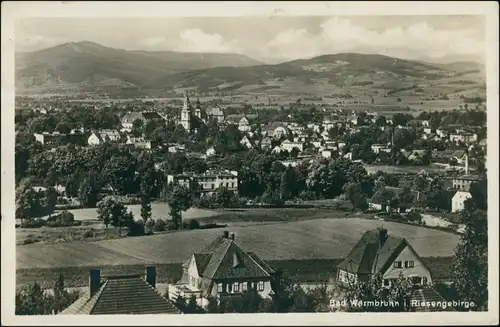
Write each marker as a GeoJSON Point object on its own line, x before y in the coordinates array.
{"type": "Point", "coordinates": [197, 111]}
{"type": "Point", "coordinates": [186, 114]}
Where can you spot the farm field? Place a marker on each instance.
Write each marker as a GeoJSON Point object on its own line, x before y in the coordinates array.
{"type": "Point", "coordinates": [432, 168]}
{"type": "Point", "coordinates": [309, 239]}
{"type": "Point", "coordinates": [92, 230]}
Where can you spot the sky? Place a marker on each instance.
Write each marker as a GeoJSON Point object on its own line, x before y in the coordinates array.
{"type": "Point", "coordinates": [271, 39]}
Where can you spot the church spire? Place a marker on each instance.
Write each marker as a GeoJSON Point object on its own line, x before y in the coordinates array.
{"type": "Point", "coordinates": [187, 104]}
{"type": "Point", "coordinates": [197, 111]}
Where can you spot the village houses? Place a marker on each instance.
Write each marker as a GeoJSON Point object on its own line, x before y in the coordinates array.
{"type": "Point", "coordinates": [379, 252]}
{"type": "Point", "coordinates": [223, 271]}
{"type": "Point", "coordinates": [103, 136]}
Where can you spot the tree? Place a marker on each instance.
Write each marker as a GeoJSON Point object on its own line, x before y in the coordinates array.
{"type": "Point", "coordinates": [405, 198]}
{"type": "Point", "coordinates": [179, 199]}
{"type": "Point", "coordinates": [26, 201]}
{"type": "Point", "coordinates": [88, 191]}
{"type": "Point", "coordinates": [479, 192]}
{"type": "Point", "coordinates": [114, 213]}
{"type": "Point", "coordinates": [120, 171]}
{"type": "Point", "coordinates": [383, 196]}
{"type": "Point", "coordinates": [148, 183]}
{"type": "Point", "coordinates": [251, 301]}
{"type": "Point", "coordinates": [271, 197]}
{"type": "Point", "coordinates": [137, 127]}
{"type": "Point", "coordinates": [437, 197]}
{"type": "Point", "coordinates": [223, 198]}
{"type": "Point", "coordinates": [353, 193]}
{"type": "Point", "coordinates": [51, 200]}
{"type": "Point", "coordinates": [145, 209]}
{"type": "Point", "coordinates": [192, 306]}
{"type": "Point", "coordinates": [470, 266]}
{"type": "Point", "coordinates": [361, 296]}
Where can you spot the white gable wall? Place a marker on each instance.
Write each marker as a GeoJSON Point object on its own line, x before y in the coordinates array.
{"type": "Point", "coordinates": [418, 269]}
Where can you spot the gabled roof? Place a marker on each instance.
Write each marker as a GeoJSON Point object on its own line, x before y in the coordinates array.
{"type": "Point", "coordinates": [223, 258]}
{"type": "Point", "coordinates": [122, 295]}
{"type": "Point", "coordinates": [369, 256]}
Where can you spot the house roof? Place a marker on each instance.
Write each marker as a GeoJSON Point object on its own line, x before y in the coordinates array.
{"type": "Point", "coordinates": [224, 259]}
{"type": "Point", "coordinates": [368, 256]}
{"type": "Point", "coordinates": [122, 295]}
{"type": "Point", "coordinates": [459, 154]}
{"type": "Point", "coordinates": [271, 127]}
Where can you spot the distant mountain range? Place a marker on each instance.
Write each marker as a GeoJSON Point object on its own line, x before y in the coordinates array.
{"type": "Point", "coordinates": [90, 65]}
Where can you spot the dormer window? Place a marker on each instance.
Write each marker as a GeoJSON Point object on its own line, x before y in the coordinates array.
{"type": "Point", "coordinates": [236, 260]}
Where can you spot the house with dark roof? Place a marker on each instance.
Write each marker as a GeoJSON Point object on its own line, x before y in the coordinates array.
{"type": "Point", "coordinates": [277, 130]}
{"type": "Point", "coordinates": [129, 118]}
{"type": "Point", "coordinates": [130, 294]}
{"type": "Point", "coordinates": [379, 252]}
{"type": "Point", "coordinates": [223, 271]}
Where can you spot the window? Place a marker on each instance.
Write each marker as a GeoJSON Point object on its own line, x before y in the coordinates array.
{"type": "Point", "coordinates": [236, 287]}
{"type": "Point", "coordinates": [424, 280]}
{"type": "Point", "coordinates": [409, 264]}
{"type": "Point", "coordinates": [387, 282]}
{"type": "Point", "coordinates": [398, 264]}
{"type": "Point", "coordinates": [219, 288]}
{"type": "Point", "coordinates": [229, 288]}
{"type": "Point", "coordinates": [343, 276]}
{"type": "Point", "coordinates": [244, 286]}
{"type": "Point", "coordinates": [261, 286]}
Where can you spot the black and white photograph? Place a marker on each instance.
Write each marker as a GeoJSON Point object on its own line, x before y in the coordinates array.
{"type": "Point", "coordinates": [189, 162]}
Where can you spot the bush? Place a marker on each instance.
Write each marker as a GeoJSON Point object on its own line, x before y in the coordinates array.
{"type": "Point", "coordinates": [212, 225]}
{"type": "Point", "coordinates": [193, 224]}
{"type": "Point", "coordinates": [30, 241]}
{"type": "Point", "coordinates": [170, 225]}
{"type": "Point", "coordinates": [395, 216]}
{"type": "Point", "coordinates": [64, 219]}
{"type": "Point", "coordinates": [150, 224]}
{"type": "Point", "coordinates": [136, 229]}
{"type": "Point", "coordinates": [33, 223]}
{"type": "Point", "coordinates": [89, 233]}
{"type": "Point", "coordinates": [160, 225]}
{"type": "Point", "coordinates": [414, 217]}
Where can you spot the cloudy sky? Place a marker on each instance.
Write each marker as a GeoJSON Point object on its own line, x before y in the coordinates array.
{"type": "Point", "coordinates": [270, 39]}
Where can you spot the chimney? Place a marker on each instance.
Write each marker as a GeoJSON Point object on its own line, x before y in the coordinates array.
{"type": "Point", "coordinates": [466, 162]}
{"type": "Point", "coordinates": [151, 275]}
{"type": "Point", "coordinates": [94, 281]}
{"type": "Point", "coordinates": [225, 234]}
{"type": "Point", "coordinates": [231, 236]}
{"type": "Point", "coordinates": [382, 235]}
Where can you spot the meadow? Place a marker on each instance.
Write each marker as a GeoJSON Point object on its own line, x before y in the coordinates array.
{"type": "Point", "coordinates": [307, 239]}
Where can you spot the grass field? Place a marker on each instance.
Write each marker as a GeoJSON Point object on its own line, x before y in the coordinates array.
{"type": "Point", "coordinates": [230, 217]}
{"type": "Point", "coordinates": [311, 270]}
{"type": "Point", "coordinates": [309, 239]}
{"type": "Point", "coordinates": [372, 169]}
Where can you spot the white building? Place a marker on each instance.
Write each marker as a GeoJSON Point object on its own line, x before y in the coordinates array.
{"type": "Point", "coordinates": [103, 136]}
{"type": "Point", "coordinates": [458, 200]}
{"type": "Point", "coordinates": [210, 152]}
{"type": "Point", "coordinates": [244, 125]}
{"type": "Point", "coordinates": [246, 142]}
{"type": "Point", "coordinates": [288, 145]}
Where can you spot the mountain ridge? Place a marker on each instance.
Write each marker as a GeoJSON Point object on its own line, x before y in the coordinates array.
{"type": "Point", "coordinates": [90, 65]}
